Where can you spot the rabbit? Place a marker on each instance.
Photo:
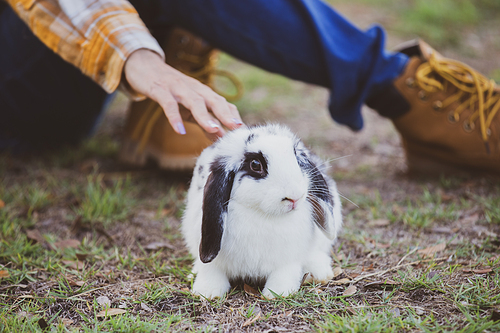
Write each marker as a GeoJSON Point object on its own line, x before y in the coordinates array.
{"type": "Point", "coordinates": [260, 207]}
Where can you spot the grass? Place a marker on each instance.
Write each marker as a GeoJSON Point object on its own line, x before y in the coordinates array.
{"type": "Point", "coordinates": [104, 204]}
{"type": "Point", "coordinates": [164, 304]}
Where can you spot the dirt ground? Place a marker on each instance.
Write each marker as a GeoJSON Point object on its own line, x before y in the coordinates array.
{"type": "Point", "coordinates": [408, 244]}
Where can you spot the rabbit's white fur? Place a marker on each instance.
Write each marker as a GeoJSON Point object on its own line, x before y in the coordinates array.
{"type": "Point", "coordinates": [259, 232]}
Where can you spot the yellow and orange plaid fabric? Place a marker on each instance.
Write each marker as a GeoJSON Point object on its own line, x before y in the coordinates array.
{"type": "Point", "coordinates": [96, 36]}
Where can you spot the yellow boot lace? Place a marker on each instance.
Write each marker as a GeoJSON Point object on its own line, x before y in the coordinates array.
{"type": "Point", "coordinates": [205, 74]}
{"type": "Point", "coordinates": [474, 91]}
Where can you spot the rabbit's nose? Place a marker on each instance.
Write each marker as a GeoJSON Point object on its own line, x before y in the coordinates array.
{"type": "Point", "coordinates": [293, 202]}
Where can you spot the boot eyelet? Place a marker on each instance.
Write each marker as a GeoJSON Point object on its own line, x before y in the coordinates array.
{"type": "Point", "coordinates": [468, 126]}
{"type": "Point", "coordinates": [422, 95]}
{"type": "Point", "coordinates": [437, 105]}
{"type": "Point", "coordinates": [410, 82]}
{"type": "Point", "coordinates": [452, 119]}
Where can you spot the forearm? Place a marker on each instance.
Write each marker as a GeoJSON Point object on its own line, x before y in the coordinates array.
{"type": "Point", "coordinates": [108, 42]}
{"type": "Point", "coordinates": [97, 39]}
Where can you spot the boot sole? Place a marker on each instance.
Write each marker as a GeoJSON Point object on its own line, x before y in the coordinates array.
{"type": "Point", "coordinates": [129, 154]}
{"type": "Point", "coordinates": [420, 163]}
{"type": "Point", "coordinates": [424, 165]}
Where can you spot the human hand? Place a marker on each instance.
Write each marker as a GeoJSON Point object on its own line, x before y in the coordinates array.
{"type": "Point", "coordinates": [147, 73]}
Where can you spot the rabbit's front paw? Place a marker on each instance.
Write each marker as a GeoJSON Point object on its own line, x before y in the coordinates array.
{"type": "Point", "coordinates": [283, 282]}
{"type": "Point", "coordinates": [211, 284]}
{"type": "Point", "coordinates": [319, 268]}
{"type": "Point", "coordinates": [210, 291]}
{"type": "Point", "coordinates": [320, 274]}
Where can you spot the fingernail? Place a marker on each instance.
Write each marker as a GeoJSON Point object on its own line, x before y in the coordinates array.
{"type": "Point", "coordinates": [237, 121]}
{"type": "Point", "coordinates": [180, 128]}
{"type": "Point", "coordinates": [213, 124]}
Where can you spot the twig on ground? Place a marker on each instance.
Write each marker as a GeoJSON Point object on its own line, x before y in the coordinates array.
{"type": "Point", "coordinates": [359, 278]}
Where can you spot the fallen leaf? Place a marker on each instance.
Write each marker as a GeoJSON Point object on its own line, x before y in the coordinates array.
{"type": "Point", "coordinates": [103, 301]}
{"type": "Point", "coordinates": [442, 230]}
{"type": "Point", "coordinates": [159, 245]}
{"type": "Point", "coordinates": [166, 211]}
{"type": "Point", "coordinates": [110, 312]}
{"type": "Point", "coordinates": [81, 256]}
{"type": "Point", "coordinates": [431, 250]}
{"type": "Point", "coordinates": [379, 223]}
{"type": "Point", "coordinates": [4, 274]}
{"type": "Point", "coordinates": [350, 291]}
{"type": "Point", "coordinates": [2, 204]}
{"type": "Point", "coordinates": [369, 268]}
{"type": "Point", "coordinates": [469, 219]}
{"type": "Point", "coordinates": [74, 283]}
{"type": "Point", "coordinates": [419, 311]}
{"type": "Point", "coordinates": [482, 271]}
{"type": "Point", "coordinates": [395, 312]}
{"type": "Point", "coordinates": [66, 321]}
{"type": "Point", "coordinates": [495, 315]}
{"type": "Point", "coordinates": [42, 323]}
{"type": "Point", "coordinates": [250, 290]}
{"type": "Point", "coordinates": [337, 271]}
{"type": "Point", "coordinates": [382, 245]}
{"type": "Point", "coordinates": [446, 197]}
{"type": "Point", "coordinates": [74, 264]}
{"type": "Point", "coordinates": [353, 275]}
{"type": "Point", "coordinates": [35, 235]}
{"type": "Point", "coordinates": [341, 281]}
{"type": "Point", "coordinates": [24, 314]}
{"type": "Point", "coordinates": [145, 307]}
{"type": "Point", "coordinates": [339, 257]}
{"type": "Point", "coordinates": [67, 243]}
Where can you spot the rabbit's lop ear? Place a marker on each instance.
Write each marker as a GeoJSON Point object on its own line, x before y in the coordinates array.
{"type": "Point", "coordinates": [215, 200]}
{"type": "Point", "coordinates": [320, 197]}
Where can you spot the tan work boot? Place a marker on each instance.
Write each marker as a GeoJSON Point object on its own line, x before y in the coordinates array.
{"type": "Point", "coordinates": [454, 119]}
{"type": "Point", "coordinates": [148, 134]}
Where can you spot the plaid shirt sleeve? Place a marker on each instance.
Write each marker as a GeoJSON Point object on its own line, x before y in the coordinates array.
{"type": "Point", "coordinates": [97, 36]}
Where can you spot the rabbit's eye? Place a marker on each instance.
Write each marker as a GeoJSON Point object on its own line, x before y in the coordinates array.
{"type": "Point", "coordinates": [256, 166]}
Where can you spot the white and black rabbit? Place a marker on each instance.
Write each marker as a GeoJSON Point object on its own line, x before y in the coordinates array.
{"type": "Point", "coordinates": [260, 206]}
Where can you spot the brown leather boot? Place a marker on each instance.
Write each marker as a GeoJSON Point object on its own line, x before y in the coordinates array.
{"type": "Point", "coordinates": [148, 134]}
{"type": "Point", "coordinates": [453, 122]}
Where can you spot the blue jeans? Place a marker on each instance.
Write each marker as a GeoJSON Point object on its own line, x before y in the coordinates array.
{"type": "Point", "coordinates": [304, 40]}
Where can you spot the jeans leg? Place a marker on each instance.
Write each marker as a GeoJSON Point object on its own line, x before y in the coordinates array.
{"type": "Point", "coordinates": [301, 39]}
{"type": "Point", "coordinates": [44, 101]}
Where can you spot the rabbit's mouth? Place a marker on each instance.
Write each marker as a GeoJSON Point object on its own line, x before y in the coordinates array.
{"type": "Point", "coordinates": [291, 203]}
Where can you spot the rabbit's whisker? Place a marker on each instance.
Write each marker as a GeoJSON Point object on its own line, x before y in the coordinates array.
{"type": "Point", "coordinates": [343, 196]}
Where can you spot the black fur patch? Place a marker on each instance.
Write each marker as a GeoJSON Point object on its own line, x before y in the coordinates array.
{"type": "Point", "coordinates": [319, 186]}
{"type": "Point", "coordinates": [318, 191]}
{"type": "Point", "coordinates": [318, 211]}
{"type": "Point", "coordinates": [250, 138]}
{"type": "Point", "coordinates": [250, 161]}
{"type": "Point", "coordinates": [215, 200]}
